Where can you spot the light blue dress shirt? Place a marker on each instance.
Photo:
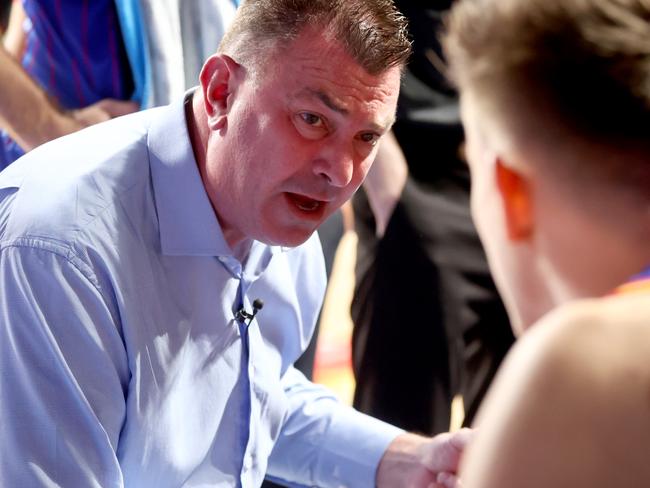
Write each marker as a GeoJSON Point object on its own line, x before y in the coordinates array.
{"type": "Point", "coordinates": [121, 361]}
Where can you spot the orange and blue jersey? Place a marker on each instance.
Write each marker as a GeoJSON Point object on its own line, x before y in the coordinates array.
{"type": "Point", "coordinates": [74, 51]}
{"type": "Point", "coordinates": [81, 51]}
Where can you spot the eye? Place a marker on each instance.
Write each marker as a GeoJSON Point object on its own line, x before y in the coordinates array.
{"type": "Point", "coordinates": [370, 138]}
{"type": "Point", "coordinates": [311, 119]}
{"type": "Point", "coordinates": [311, 126]}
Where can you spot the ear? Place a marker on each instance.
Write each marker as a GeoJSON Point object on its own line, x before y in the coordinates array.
{"type": "Point", "coordinates": [516, 195]}
{"type": "Point", "coordinates": [218, 79]}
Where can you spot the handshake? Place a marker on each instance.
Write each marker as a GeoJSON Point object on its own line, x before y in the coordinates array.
{"type": "Point", "coordinates": [413, 461]}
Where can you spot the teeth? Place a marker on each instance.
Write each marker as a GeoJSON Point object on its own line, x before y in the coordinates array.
{"type": "Point", "coordinates": [308, 207]}
{"type": "Point", "coordinates": [304, 203]}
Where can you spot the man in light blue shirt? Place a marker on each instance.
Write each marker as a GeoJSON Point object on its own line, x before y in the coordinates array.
{"type": "Point", "coordinates": [131, 254]}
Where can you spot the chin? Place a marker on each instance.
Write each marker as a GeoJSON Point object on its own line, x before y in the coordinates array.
{"type": "Point", "coordinates": [291, 238]}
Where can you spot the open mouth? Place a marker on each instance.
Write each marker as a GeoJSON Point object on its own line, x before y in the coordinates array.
{"type": "Point", "coordinates": [304, 203]}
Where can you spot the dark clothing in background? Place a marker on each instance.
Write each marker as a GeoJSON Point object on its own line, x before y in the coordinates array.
{"type": "Point", "coordinates": [330, 233]}
{"type": "Point", "coordinates": [428, 323]}
{"type": "Point", "coordinates": [5, 7]}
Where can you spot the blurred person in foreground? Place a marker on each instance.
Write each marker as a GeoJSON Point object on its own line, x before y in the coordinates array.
{"type": "Point", "coordinates": [555, 98]}
{"type": "Point", "coordinates": [135, 256]}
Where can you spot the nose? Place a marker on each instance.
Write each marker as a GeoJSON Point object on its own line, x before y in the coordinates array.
{"type": "Point", "coordinates": [336, 165]}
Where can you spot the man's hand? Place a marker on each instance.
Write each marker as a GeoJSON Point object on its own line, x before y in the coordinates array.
{"type": "Point", "coordinates": [31, 118]}
{"type": "Point", "coordinates": [47, 121]}
{"type": "Point", "coordinates": [413, 461]}
{"type": "Point", "coordinates": [101, 111]}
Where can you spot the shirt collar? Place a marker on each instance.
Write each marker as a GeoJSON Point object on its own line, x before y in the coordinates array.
{"type": "Point", "coordinates": [188, 224]}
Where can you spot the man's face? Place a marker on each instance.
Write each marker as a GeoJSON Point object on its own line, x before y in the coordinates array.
{"type": "Point", "coordinates": [298, 141]}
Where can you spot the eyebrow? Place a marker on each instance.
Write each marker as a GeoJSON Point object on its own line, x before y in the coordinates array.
{"type": "Point", "coordinates": [324, 97]}
{"type": "Point", "coordinates": [328, 102]}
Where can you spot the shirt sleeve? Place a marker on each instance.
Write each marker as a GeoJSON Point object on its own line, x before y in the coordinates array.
{"type": "Point", "coordinates": [63, 369]}
{"type": "Point", "coordinates": [325, 443]}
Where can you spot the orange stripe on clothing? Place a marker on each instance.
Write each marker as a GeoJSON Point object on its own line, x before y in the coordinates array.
{"type": "Point", "coordinates": [637, 284]}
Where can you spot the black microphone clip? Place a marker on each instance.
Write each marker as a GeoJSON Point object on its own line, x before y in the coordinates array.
{"type": "Point", "coordinates": [242, 315]}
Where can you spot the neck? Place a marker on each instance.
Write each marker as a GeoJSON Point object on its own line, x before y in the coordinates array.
{"type": "Point", "coordinates": [241, 250]}
{"type": "Point", "coordinates": [613, 260]}
{"type": "Point", "coordinates": [197, 126]}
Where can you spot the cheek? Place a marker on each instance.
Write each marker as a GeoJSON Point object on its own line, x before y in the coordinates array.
{"type": "Point", "coordinates": [503, 258]}
{"type": "Point", "coordinates": [485, 203]}
{"type": "Point", "coordinates": [361, 170]}
{"type": "Point", "coordinates": [480, 201]}
{"type": "Point", "coordinates": [488, 217]}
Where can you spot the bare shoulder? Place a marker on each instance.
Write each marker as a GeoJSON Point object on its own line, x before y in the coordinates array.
{"type": "Point", "coordinates": [571, 405]}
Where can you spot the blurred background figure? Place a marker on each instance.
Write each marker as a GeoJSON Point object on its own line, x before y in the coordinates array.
{"type": "Point", "coordinates": [428, 323]}
{"type": "Point", "coordinates": [71, 70]}
{"type": "Point", "coordinates": [180, 36]}
{"type": "Point", "coordinates": [81, 60]}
